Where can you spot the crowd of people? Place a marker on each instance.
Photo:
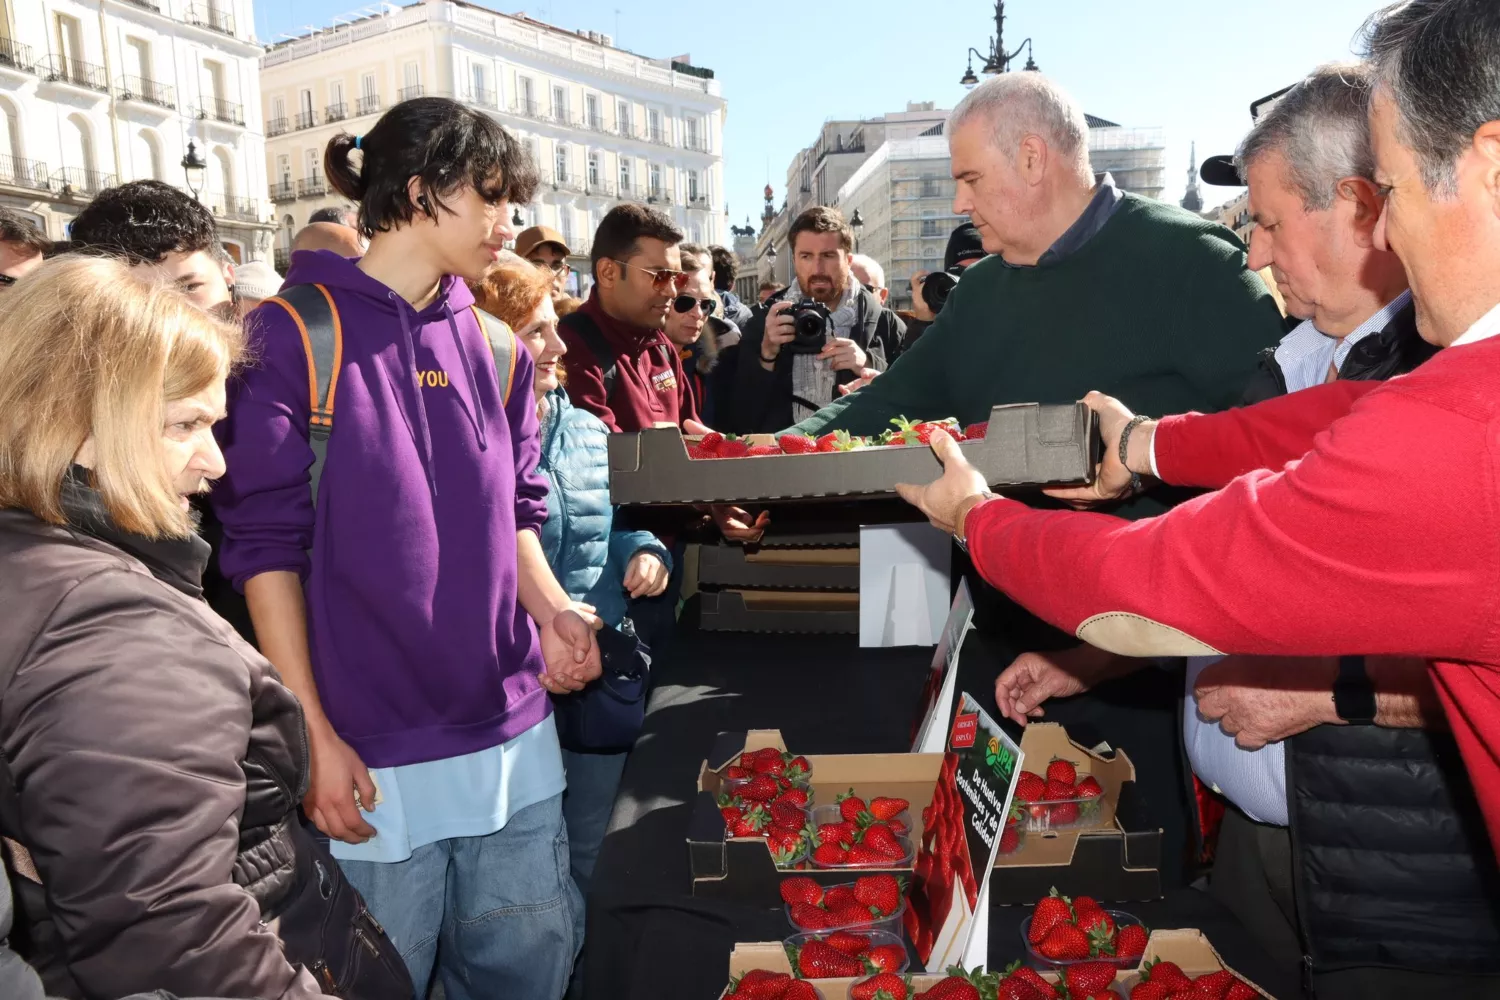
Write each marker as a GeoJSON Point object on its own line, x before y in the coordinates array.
{"type": "Point", "coordinates": [327, 649]}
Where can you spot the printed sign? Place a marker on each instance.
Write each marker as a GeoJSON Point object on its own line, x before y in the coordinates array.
{"type": "Point", "coordinates": [931, 724]}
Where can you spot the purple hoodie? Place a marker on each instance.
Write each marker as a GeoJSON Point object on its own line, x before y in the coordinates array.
{"type": "Point", "coordinates": [419, 647]}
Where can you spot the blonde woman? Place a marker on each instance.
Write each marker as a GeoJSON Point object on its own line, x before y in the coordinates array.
{"type": "Point", "coordinates": [150, 761]}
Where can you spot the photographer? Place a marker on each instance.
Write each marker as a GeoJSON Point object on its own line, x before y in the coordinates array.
{"type": "Point", "coordinates": [965, 247]}
{"type": "Point", "coordinates": [821, 332]}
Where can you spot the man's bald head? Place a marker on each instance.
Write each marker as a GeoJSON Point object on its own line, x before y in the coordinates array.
{"type": "Point", "coordinates": [329, 236]}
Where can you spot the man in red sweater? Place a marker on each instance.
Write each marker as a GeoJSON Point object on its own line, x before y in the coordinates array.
{"type": "Point", "coordinates": [1356, 516]}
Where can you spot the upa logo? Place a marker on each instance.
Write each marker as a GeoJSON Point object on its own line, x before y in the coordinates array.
{"type": "Point", "coordinates": [965, 729]}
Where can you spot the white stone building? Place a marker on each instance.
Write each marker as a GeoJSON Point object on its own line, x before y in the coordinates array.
{"type": "Point", "coordinates": [98, 92]}
{"type": "Point", "coordinates": [603, 124]}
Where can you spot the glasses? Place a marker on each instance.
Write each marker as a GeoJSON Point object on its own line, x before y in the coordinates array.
{"type": "Point", "coordinates": [9, 279]}
{"type": "Point", "coordinates": [685, 303]}
{"type": "Point", "coordinates": [661, 278]}
{"type": "Point", "coordinates": [555, 266]}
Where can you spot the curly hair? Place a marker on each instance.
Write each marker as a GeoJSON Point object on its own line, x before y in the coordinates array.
{"type": "Point", "coordinates": [512, 290]}
{"type": "Point", "coordinates": [143, 221]}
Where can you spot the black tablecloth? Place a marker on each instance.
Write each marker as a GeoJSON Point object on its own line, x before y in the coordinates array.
{"type": "Point", "coordinates": [647, 935]}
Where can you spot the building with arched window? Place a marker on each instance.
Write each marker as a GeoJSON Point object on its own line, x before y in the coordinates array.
{"type": "Point", "coordinates": [101, 92]}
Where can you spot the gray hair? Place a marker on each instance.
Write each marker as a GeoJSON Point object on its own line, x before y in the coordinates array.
{"type": "Point", "coordinates": [1439, 60]}
{"type": "Point", "coordinates": [1321, 127]}
{"type": "Point", "coordinates": [1015, 105]}
{"type": "Point", "coordinates": [872, 268]}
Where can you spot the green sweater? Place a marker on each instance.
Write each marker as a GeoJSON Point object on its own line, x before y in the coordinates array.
{"type": "Point", "coordinates": [1156, 310]}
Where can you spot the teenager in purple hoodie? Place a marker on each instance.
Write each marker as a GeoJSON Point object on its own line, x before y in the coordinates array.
{"type": "Point", "coordinates": [411, 608]}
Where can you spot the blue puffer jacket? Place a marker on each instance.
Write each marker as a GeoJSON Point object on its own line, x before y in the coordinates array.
{"type": "Point", "coordinates": [585, 552]}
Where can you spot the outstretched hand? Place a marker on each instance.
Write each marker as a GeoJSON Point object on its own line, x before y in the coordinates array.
{"type": "Point", "coordinates": [1112, 479]}
{"type": "Point", "coordinates": [944, 500]}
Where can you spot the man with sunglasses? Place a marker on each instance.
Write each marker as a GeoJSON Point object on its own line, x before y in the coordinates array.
{"type": "Point", "coordinates": [22, 246]}
{"type": "Point", "coordinates": [707, 343]}
{"type": "Point", "coordinates": [545, 248]}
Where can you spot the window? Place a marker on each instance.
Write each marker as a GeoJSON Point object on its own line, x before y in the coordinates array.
{"type": "Point", "coordinates": [625, 185]}
{"type": "Point", "coordinates": [369, 98]}
{"type": "Point", "coordinates": [560, 103]}
{"type": "Point", "coordinates": [529, 144]}
{"type": "Point", "coordinates": [560, 162]}
{"type": "Point", "coordinates": [311, 164]}
{"type": "Point", "coordinates": [284, 169]}
{"type": "Point", "coordinates": [69, 40]}
{"type": "Point", "coordinates": [528, 96]}
{"type": "Point", "coordinates": [593, 170]}
{"type": "Point", "coordinates": [591, 112]}
{"type": "Point", "coordinates": [655, 182]}
{"type": "Point", "coordinates": [215, 81]}
{"type": "Point", "coordinates": [411, 81]}
{"type": "Point", "coordinates": [479, 91]}
{"type": "Point", "coordinates": [305, 117]}
{"type": "Point", "coordinates": [336, 93]}
{"type": "Point", "coordinates": [367, 85]}
{"type": "Point", "coordinates": [138, 59]}
{"type": "Point", "coordinates": [653, 125]}
{"type": "Point", "coordinates": [278, 108]}
{"type": "Point", "coordinates": [690, 133]}
{"type": "Point", "coordinates": [622, 117]}
{"type": "Point", "coordinates": [692, 186]}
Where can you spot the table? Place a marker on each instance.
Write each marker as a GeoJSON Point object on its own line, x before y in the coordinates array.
{"type": "Point", "coordinates": [647, 935]}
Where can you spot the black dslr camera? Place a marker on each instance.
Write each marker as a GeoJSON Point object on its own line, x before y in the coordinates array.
{"type": "Point", "coordinates": [810, 321]}
{"type": "Point", "coordinates": [937, 286]}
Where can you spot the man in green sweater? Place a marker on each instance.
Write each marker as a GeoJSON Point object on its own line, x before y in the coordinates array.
{"type": "Point", "coordinates": [1085, 287]}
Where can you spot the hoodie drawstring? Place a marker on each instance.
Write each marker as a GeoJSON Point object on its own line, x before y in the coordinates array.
{"type": "Point", "coordinates": [424, 442]}
{"type": "Point", "coordinates": [458, 345]}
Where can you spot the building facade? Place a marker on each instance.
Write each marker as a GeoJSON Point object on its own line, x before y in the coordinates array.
{"type": "Point", "coordinates": [98, 92]}
{"type": "Point", "coordinates": [1135, 157]}
{"type": "Point", "coordinates": [603, 125]}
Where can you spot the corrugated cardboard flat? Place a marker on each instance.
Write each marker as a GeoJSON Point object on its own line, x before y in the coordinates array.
{"type": "Point", "coordinates": [819, 612]}
{"type": "Point", "coordinates": [780, 568]}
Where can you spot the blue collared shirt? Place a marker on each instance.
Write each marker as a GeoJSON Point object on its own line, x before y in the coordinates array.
{"type": "Point", "coordinates": [1100, 209]}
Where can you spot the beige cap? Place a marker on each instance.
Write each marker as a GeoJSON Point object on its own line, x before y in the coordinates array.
{"type": "Point", "coordinates": [537, 235]}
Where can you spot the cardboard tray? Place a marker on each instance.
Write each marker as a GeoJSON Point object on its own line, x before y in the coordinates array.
{"type": "Point", "coordinates": [771, 956]}
{"type": "Point", "coordinates": [779, 611]}
{"type": "Point", "coordinates": [780, 568]}
{"type": "Point", "coordinates": [1027, 444]}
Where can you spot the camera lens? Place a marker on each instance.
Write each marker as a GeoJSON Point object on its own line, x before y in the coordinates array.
{"type": "Point", "coordinates": [808, 324]}
{"type": "Point", "coordinates": [936, 288]}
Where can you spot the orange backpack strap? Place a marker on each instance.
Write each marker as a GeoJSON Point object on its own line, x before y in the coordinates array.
{"type": "Point", "coordinates": [502, 341]}
{"type": "Point", "coordinates": [311, 308]}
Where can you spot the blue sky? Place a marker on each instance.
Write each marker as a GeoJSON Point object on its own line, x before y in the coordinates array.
{"type": "Point", "coordinates": [1189, 66]}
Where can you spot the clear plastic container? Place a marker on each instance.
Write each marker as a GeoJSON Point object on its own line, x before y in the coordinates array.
{"type": "Point", "coordinates": [891, 924]}
{"type": "Point", "coordinates": [829, 813]}
{"type": "Point", "coordinates": [1020, 829]}
{"type": "Point", "coordinates": [1039, 817]}
{"type": "Point", "coordinates": [878, 939]}
{"type": "Point", "coordinates": [1040, 961]}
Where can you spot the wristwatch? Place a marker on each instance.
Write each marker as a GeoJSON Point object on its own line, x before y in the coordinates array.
{"type": "Point", "coordinates": [1353, 694]}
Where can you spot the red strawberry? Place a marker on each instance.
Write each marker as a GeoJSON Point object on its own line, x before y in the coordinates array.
{"type": "Point", "coordinates": [974, 432]}
{"type": "Point", "coordinates": [830, 854]}
{"type": "Point", "coordinates": [1241, 990]}
{"type": "Point", "coordinates": [880, 837]}
{"type": "Point", "coordinates": [1082, 904]}
{"type": "Point", "coordinates": [1026, 974]}
{"type": "Point", "coordinates": [736, 772]}
{"type": "Point", "coordinates": [819, 960]}
{"type": "Point", "coordinates": [1147, 990]}
{"type": "Point", "coordinates": [758, 984]}
{"type": "Point", "coordinates": [1169, 974]}
{"type": "Point", "coordinates": [1030, 787]}
{"type": "Point", "coordinates": [797, 444]}
{"type": "Point", "coordinates": [1214, 986]}
{"type": "Point", "coordinates": [852, 915]}
{"type": "Point", "coordinates": [841, 897]}
{"type": "Point", "coordinates": [887, 957]}
{"type": "Point", "coordinates": [1057, 791]}
{"type": "Point", "coordinates": [787, 839]}
{"type": "Point", "coordinates": [897, 827]}
{"type": "Point", "coordinates": [881, 893]}
{"type": "Point", "coordinates": [850, 806]}
{"type": "Point", "coordinates": [796, 796]}
{"type": "Point", "coordinates": [1050, 911]}
{"type": "Point", "coordinates": [836, 833]}
{"type": "Point", "coordinates": [711, 442]}
{"type": "Point", "coordinates": [787, 814]}
{"type": "Point", "coordinates": [952, 988]}
{"type": "Point", "coordinates": [798, 768]}
{"type": "Point", "coordinates": [867, 857]}
{"type": "Point", "coordinates": [1088, 788]}
{"type": "Point", "coordinates": [1130, 942]}
{"type": "Point", "coordinates": [1065, 943]}
{"type": "Point", "coordinates": [882, 807]}
{"type": "Point", "coordinates": [1062, 770]}
{"type": "Point", "coordinates": [799, 990]}
{"type": "Point", "coordinates": [734, 449]}
{"type": "Point", "coordinates": [1064, 813]}
{"type": "Point", "coordinates": [1095, 919]}
{"type": "Point", "coordinates": [772, 763]}
{"type": "Point", "coordinates": [809, 917]}
{"type": "Point", "coordinates": [750, 824]}
{"type": "Point", "coordinates": [761, 788]}
{"type": "Point", "coordinates": [849, 944]}
{"type": "Point", "coordinates": [1010, 840]}
{"type": "Point", "coordinates": [730, 814]}
{"type": "Point", "coordinates": [1087, 978]}
{"type": "Point", "coordinates": [888, 983]}
{"type": "Point", "coordinates": [1015, 988]}
{"type": "Point", "coordinates": [764, 450]}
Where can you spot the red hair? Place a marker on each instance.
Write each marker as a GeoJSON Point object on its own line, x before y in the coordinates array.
{"type": "Point", "coordinates": [511, 291]}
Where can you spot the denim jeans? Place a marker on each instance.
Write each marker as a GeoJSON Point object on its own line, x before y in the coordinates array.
{"type": "Point", "coordinates": [593, 779]}
{"type": "Point", "coordinates": [497, 917]}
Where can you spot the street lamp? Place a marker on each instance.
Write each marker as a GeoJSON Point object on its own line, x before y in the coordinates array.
{"type": "Point", "coordinates": [193, 169]}
{"type": "Point", "coordinates": [998, 60]}
{"type": "Point", "coordinates": [856, 223]}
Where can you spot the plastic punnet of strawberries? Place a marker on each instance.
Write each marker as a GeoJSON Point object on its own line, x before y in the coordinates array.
{"type": "Point", "coordinates": [906, 433]}
{"type": "Point", "coordinates": [1166, 981]}
{"type": "Point", "coordinates": [870, 899]}
{"type": "Point", "coordinates": [765, 795]}
{"type": "Point", "coordinates": [1060, 799]}
{"type": "Point", "coordinates": [845, 954]}
{"type": "Point", "coordinates": [1064, 930]}
{"type": "Point", "coordinates": [759, 984]}
{"type": "Point", "coordinates": [868, 835]}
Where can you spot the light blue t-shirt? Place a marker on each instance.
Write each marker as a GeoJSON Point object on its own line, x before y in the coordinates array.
{"type": "Point", "coordinates": [469, 796]}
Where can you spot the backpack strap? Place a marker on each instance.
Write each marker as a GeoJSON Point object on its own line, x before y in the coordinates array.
{"type": "Point", "coordinates": [502, 341]}
{"type": "Point", "coordinates": [311, 308]}
{"type": "Point", "coordinates": [583, 324]}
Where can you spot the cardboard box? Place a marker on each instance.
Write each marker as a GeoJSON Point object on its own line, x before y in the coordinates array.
{"type": "Point", "coordinates": [779, 611]}
{"type": "Point", "coordinates": [779, 568]}
{"type": "Point", "coordinates": [1027, 444]}
{"type": "Point", "coordinates": [740, 868]}
{"type": "Point", "coordinates": [772, 957]}
{"type": "Point", "coordinates": [1187, 948]}
{"type": "Point", "coordinates": [1115, 858]}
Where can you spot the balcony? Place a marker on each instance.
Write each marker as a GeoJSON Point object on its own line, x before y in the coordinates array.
{"type": "Point", "coordinates": [599, 189]}
{"type": "Point", "coordinates": [596, 123]}
{"type": "Point", "coordinates": [74, 181]}
{"type": "Point", "coordinates": [483, 97]}
{"type": "Point", "coordinates": [367, 105]}
{"type": "Point", "coordinates": [283, 191]}
{"type": "Point", "coordinates": [304, 119]}
{"type": "Point", "coordinates": [135, 88]}
{"type": "Point", "coordinates": [228, 206]}
{"type": "Point", "coordinates": [275, 127]}
{"type": "Point", "coordinates": [524, 106]}
{"type": "Point", "coordinates": [281, 259]}
{"type": "Point", "coordinates": [311, 187]}
{"type": "Point", "coordinates": [207, 15]}
{"type": "Point", "coordinates": [220, 110]}
{"type": "Point", "coordinates": [658, 196]}
{"type": "Point", "coordinates": [145, 5]}
{"type": "Point", "coordinates": [658, 135]}
{"type": "Point", "coordinates": [17, 55]}
{"type": "Point", "coordinates": [699, 144]}
{"type": "Point", "coordinates": [30, 174]}
{"type": "Point", "coordinates": [698, 201]}
{"type": "Point", "coordinates": [561, 116]}
{"type": "Point", "coordinates": [336, 112]}
{"type": "Point", "coordinates": [408, 93]}
{"type": "Point", "coordinates": [60, 69]}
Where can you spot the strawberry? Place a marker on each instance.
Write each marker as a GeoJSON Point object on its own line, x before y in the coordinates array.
{"type": "Point", "coordinates": [836, 833]}
{"type": "Point", "coordinates": [897, 827]}
{"type": "Point", "coordinates": [841, 897]}
{"type": "Point", "coordinates": [1130, 942]}
{"type": "Point", "coordinates": [798, 768]}
{"type": "Point", "coordinates": [750, 824]}
{"type": "Point", "coordinates": [868, 857]}
{"type": "Point", "coordinates": [849, 944]}
{"type": "Point", "coordinates": [955, 987]}
{"type": "Point", "coordinates": [975, 432]}
{"type": "Point", "coordinates": [797, 444]}
{"type": "Point", "coordinates": [1062, 770]}
{"type": "Point", "coordinates": [761, 788]}
{"type": "Point", "coordinates": [1065, 943]}
{"type": "Point", "coordinates": [1026, 974]}
{"type": "Point", "coordinates": [1030, 787]}
{"type": "Point", "coordinates": [787, 814]}
{"type": "Point", "coordinates": [1010, 840]}
{"type": "Point", "coordinates": [851, 915]}
{"type": "Point", "coordinates": [1057, 791]}
{"type": "Point", "coordinates": [1214, 986]}
{"type": "Point", "coordinates": [1088, 788]}
{"type": "Point", "coordinates": [1169, 974]}
{"type": "Point", "coordinates": [711, 442]}
{"type": "Point", "coordinates": [1083, 904]}
{"type": "Point", "coordinates": [758, 984]}
{"type": "Point", "coordinates": [1147, 990]}
{"type": "Point", "coordinates": [796, 796]}
{"type": "Point", "coordinates": [819, 960]}
{"type": "Point", "coordinates": [730, 814]}
{"type": "Point", "coordinates": [830, 854]}
{"type": "Point", "coordinates": [920, 431]}
{"type": "Point", "coordinates": [882, 807]}
{"type": "Point", "coordinates": [1064, 813]}
{"type": "Point", "coordinates": [886, 984]}
{"type": "Point", "coordinates": [785, 838]}
{"type": "Point", "coordinates": [772, 763]}
{"type": "Point", "coordinates": [799, 990]}
{"type": "Point", "coordinates": [1087, 978]}
{"type": "Point", "coordinates": [887, 957]}
{"type": "Point", "coordinates": [850, 806]}
{"type": "Point", "coordinates": [1241, 990]}
{"type": "Point", "coordinates": [737, 772]}
{"type": "Point", "coordinates": [881, 893]}
{"type": "Point", "coordinates": [1095, 919]}
{"type": "Point", "coordinates": [764, 450]}
{"type": "Point", "coordinates": [1050, 911]}
{"type": "Point", "coordinates": [880, 837]}
{"type": "Point", "coordinates": [809, 917]}
{"type": "Point", "coordinates": [734, 449]}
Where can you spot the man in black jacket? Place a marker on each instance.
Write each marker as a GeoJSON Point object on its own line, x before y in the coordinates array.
{"type": "Point", "coordinates": [781, 378]}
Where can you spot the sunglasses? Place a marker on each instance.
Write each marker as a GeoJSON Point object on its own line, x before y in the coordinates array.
{"type": "Point", "coordinates": [685, 303]}
{"type": "Point", "coordinates": [662, 278]}
{"type": "Point", "coordinates": [6, 280]}
{"type": "Point", "coordinates": [555, 266]}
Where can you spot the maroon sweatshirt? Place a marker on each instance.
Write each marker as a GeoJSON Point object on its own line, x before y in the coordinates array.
{"type": "Point", "coordinates": [649, 384]}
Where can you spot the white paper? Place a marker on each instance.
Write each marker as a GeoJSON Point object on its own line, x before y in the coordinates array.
{"type": "Point", "coordinates": [932, 735]}
{"type": "Point", "coordinates": [903, 584]}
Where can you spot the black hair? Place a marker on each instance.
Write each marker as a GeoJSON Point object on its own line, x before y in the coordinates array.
{"type": "Point", "coordinates": [16, 228]}
{"type": "Point", "coordinates": [726, 268]}
{"type": "Point", "coordinates": [821, 219]}
{"type": "Point", "coordinates": [336, 214]}
{"type": "Point", "coordinates": [143, 221]}
{"type": "Point", "coordinates": [695, 257]}
{"type": "Point", "coordinates": [440, 141]}
{"type": "Point", "coordinates": [624, 226]}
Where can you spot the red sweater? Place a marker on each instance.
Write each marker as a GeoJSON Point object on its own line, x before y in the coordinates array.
{"type": "Point", "coordinates": [649, 385]}
{"type": "Point", "coordinates": [1378, 534]}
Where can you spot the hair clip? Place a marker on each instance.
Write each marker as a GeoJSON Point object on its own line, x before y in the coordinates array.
{"type": "Point", "coordinates": [357, 140]}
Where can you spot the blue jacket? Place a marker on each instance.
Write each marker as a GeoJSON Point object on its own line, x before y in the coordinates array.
{"type": "Point", "coordinates": [585, 552]}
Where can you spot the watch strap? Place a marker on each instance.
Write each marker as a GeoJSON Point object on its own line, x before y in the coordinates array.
{"type": "Point", "coordinates": [1353, 694]}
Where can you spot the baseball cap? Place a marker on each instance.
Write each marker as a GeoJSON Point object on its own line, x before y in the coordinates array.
{"type": "Point", "coordinates": [964, 243]}
{"type": "Point", "coordinates": [256, 280]}
{"type": "Point", "coordinates": [1220, 170]}
{"type": "Point", "coordinates": [534, 237]}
